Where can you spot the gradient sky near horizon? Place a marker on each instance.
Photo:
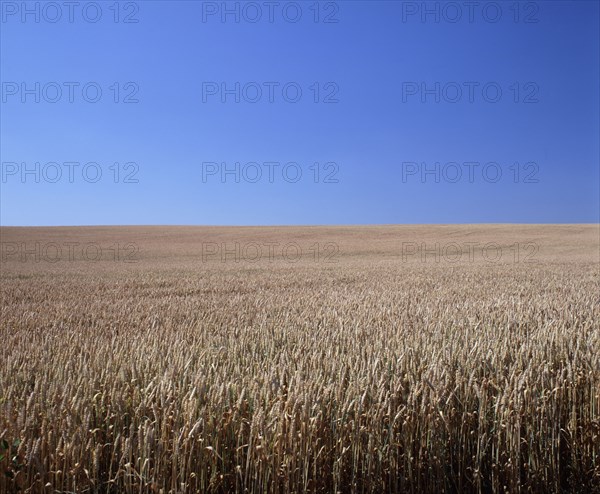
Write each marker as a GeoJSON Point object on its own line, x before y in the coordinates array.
{"type": "Point", "coordinates": [263, 113]}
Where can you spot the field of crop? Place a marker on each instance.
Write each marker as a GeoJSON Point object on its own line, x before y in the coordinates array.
{"type": "Point", "coordinates": [422, 359]}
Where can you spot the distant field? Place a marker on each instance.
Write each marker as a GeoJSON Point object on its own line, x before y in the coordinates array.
{"type": "Point", "coordinates": [419, 359]}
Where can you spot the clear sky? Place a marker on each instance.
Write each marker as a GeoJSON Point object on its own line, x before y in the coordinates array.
{"type": "Point", "coordinates": [259, 113]}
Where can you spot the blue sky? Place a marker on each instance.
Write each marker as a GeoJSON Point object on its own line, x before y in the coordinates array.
{"type": "Point", "coordinates": [405, 116]}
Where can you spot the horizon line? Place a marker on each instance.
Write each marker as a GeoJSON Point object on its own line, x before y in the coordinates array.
{"type": "Point", "coordinates": [288, 225]}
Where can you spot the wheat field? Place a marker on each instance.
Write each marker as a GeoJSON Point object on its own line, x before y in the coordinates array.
{"type": "Point", "coordinates": [300, 359]}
